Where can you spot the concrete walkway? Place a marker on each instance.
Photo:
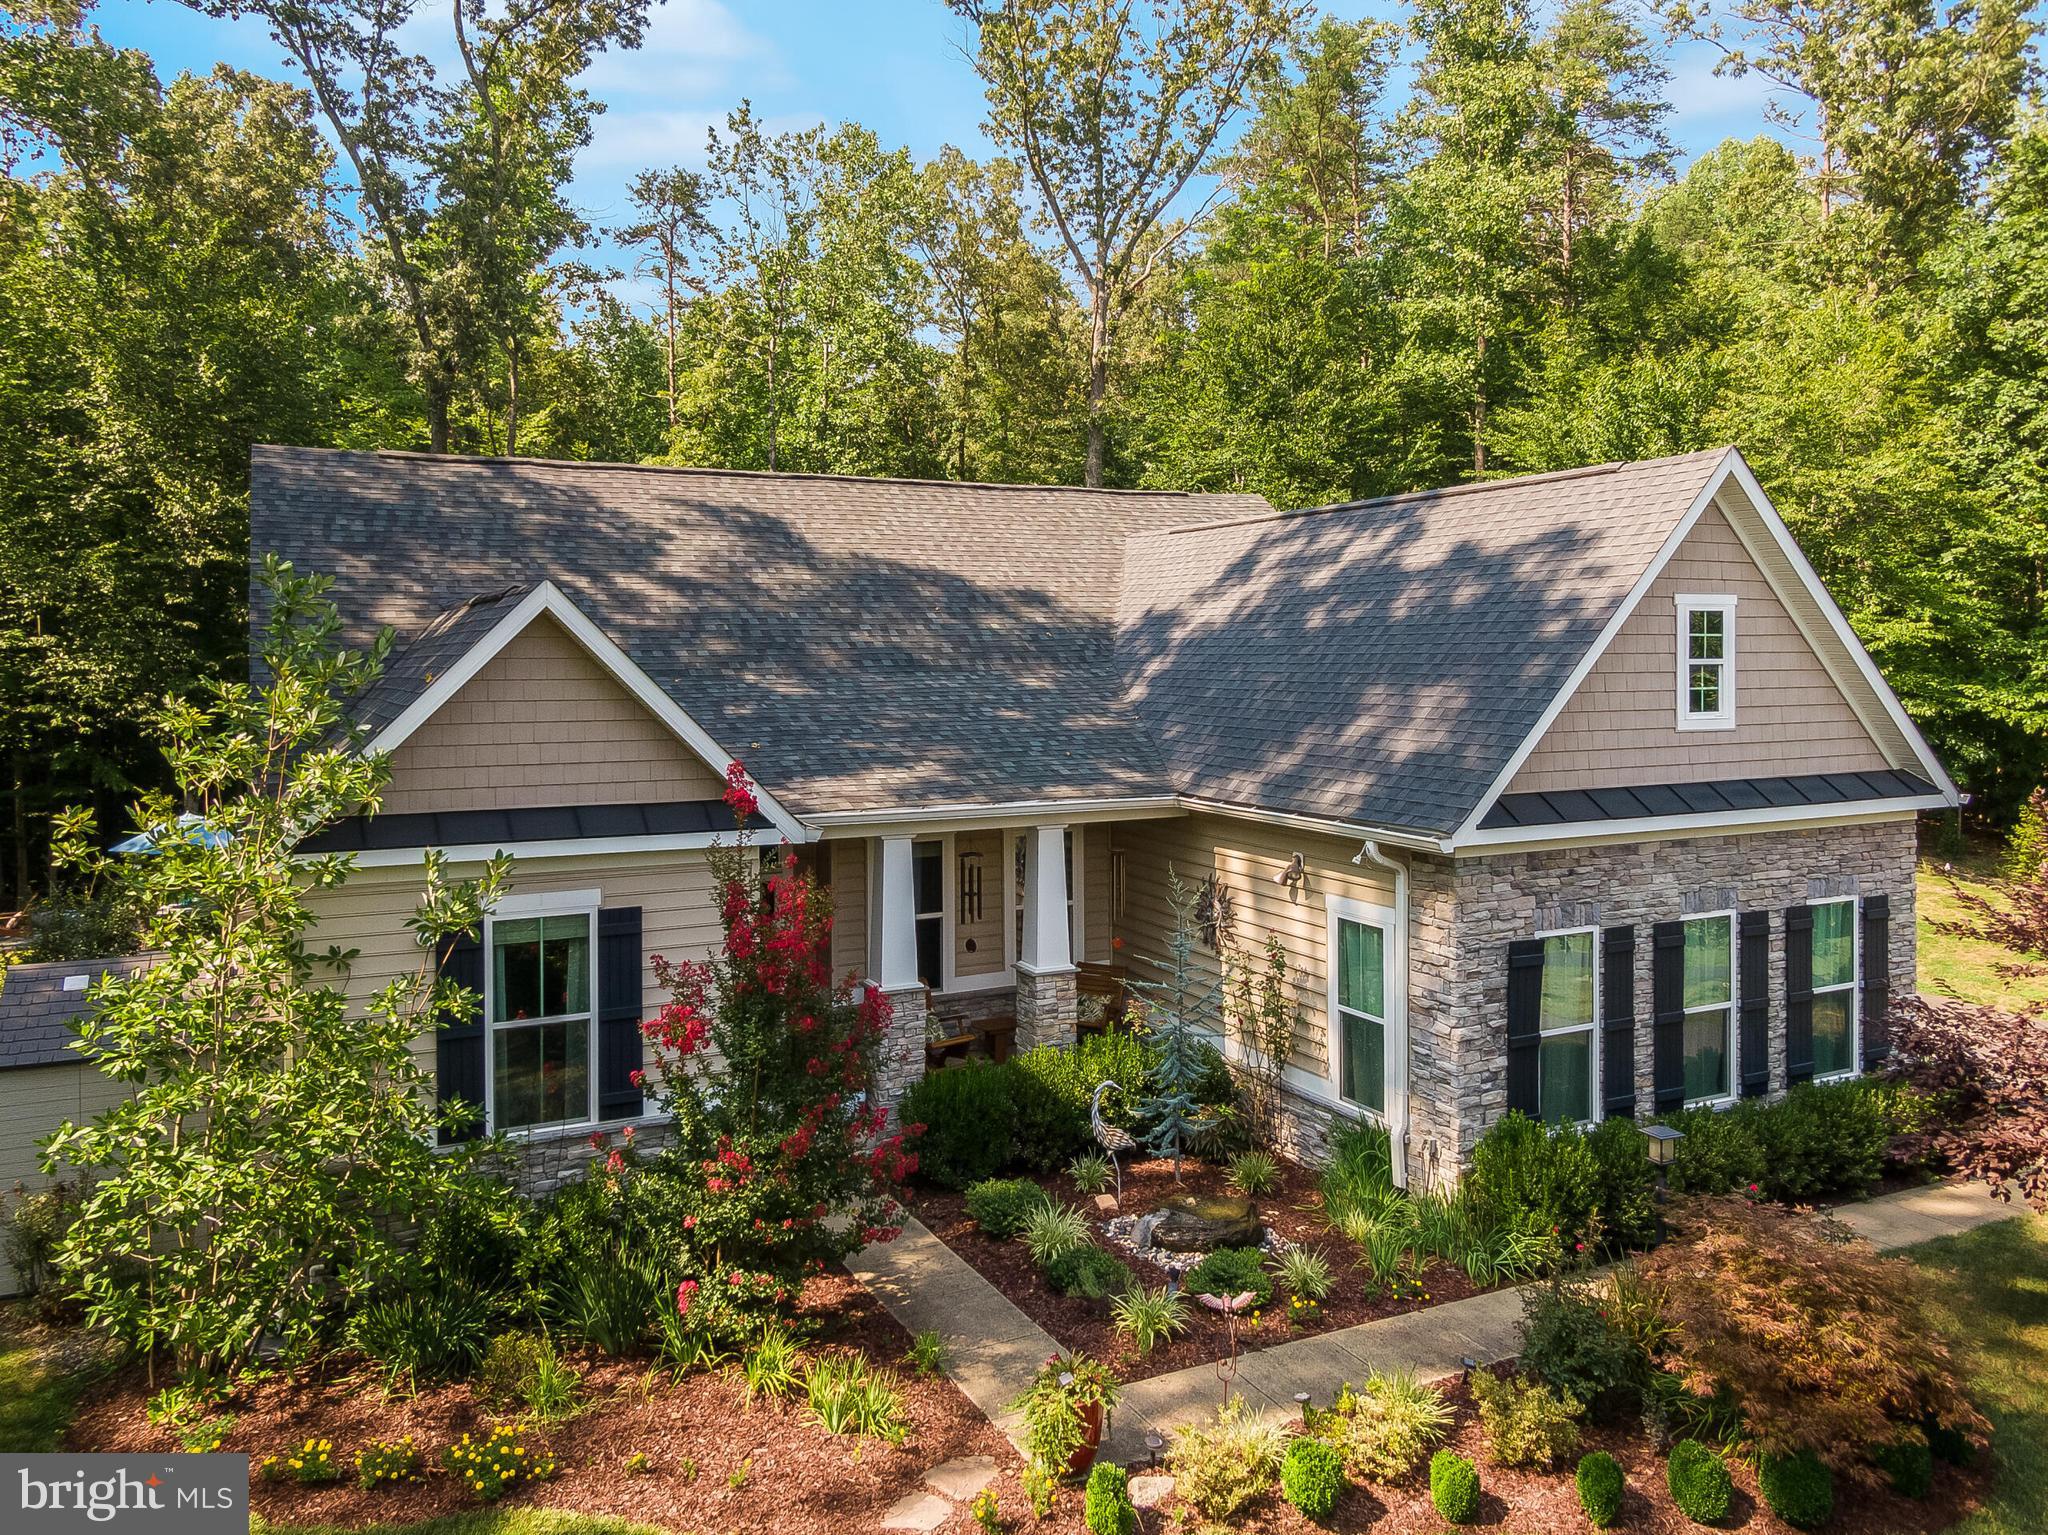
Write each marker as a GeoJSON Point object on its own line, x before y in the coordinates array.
{"type": "Point", "coordinates": [993, 1349]}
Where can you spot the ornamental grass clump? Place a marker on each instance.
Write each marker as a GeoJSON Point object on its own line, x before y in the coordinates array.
{"type": "Point", "coordinates": [1799, 1488]}
{"type": "Point", "coordinates": [846, 1396]}
{"type": "Point", "coordinates": [1823, 1345]}
{"type": "Point", "coordinates": [1698, 1481]}
{"type": "Point", "coordinates": [781, 1158]}
{"type": "Point", "coordinates": [1149, 1317]}
{"type": "Point", "coordinates": [1052, 1229]}
{"type": "Point", "coordinates": [1311, 1477]}
{"type": "Point", "coordinates": [1454, 1487]}
{"type": "Point", "coordinates": [1600, 1484]}
{"type": "Point", "coordinates": [495, 1464]}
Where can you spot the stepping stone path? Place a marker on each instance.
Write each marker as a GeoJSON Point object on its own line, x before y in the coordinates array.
{"type": "Point", "coordinates": [954, 1484]}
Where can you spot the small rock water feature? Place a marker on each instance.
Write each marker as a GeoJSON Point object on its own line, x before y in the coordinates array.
{"type": "Point", "coordinates": [1187, 1227]}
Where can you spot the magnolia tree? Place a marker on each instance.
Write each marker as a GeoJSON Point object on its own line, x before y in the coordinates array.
{"type": "Point", "coordinates": [767, 1066]}
{"type": "Point", "coordinates": [274, 1137]}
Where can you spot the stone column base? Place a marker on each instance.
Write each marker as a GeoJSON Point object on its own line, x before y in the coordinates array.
{"type": "Point", "coordinates": [1048, 1006]}
{"type": "Point", "coordinates": [902, 1055]}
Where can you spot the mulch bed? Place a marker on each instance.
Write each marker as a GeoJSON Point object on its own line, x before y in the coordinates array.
{"type": "Point", "coordinates": [798, 1478]}
{"type": "Point", "coordinates": [1547, 1503]}
{"type": "Point", "coordinates": [1294, 1210]}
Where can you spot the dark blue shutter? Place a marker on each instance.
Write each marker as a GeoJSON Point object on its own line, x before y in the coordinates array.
{"type": "Point", "coordinates": [459, 1052]}
{"type": "Point", "coordinates": [1618, 1022]}
{"type": "Point", "coordinates": [1756, 1003]}
{"type": "Point", "coordinates": [1525, 1006]}
{"type": "Point", "coordinates": [619, 1041]}
{"type": "Point", "coordinates": [1798, 994]}
{"type": "Point", "coordinates": [1877, 979]}
{"type": "Point", "coordinates": [1667, 1015]}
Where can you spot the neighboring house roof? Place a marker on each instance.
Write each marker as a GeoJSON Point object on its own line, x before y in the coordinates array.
{"type": "Point", "coordinates": [894, 645]}
{"type": "Point", "coordinates": [858, 643]}
{"type": "Point", "coordinates": [40, 1002]}
{"type": "Point", "coordinates": [1380, 662]}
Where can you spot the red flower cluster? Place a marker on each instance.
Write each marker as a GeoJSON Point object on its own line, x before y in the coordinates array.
{"type": "Point", "coordinates": [739, 794]}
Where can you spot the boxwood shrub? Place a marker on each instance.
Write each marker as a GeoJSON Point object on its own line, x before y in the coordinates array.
{"type": "Point", "coordinates": [1909, 1464]}
{"type": "Point", "coordinates": [1001, 1206]}
{"type": "Point", "coordinates": [1311, 1476]}
{"type": "Point", "coordinates": [969, 1116]}
{"type": "Point", "coordinates": [1600, 1485]}
{"type": "Point", "coordinates": [1454, 1487]}
{"type": "Point", "coordinates": [1231, 1271]}
{"type": "Point", "coordinates": [1799, 1488]}
{"type": "Point", "coordinates": [1699, 1482]}
{"type": "Point", "coordinates": [1089, 1271]}
{"type": "Point", "coordinates": [1106, 1506]}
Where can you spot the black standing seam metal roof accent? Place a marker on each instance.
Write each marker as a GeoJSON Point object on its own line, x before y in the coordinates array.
{"type": "Point", "coordinates": [541, 823]}
{"type": "Point", "coordinates": [1557, 807]}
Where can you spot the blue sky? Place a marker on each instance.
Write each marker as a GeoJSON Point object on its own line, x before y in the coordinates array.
{"type": "Point", "coordinates": [895, 65]}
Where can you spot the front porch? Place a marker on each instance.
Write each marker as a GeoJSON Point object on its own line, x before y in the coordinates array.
{"type": "Point", "coordinates": [986, 939]}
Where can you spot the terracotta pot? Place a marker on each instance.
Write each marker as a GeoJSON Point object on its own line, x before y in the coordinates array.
{"type": "Point", "coordinates": [1091, 1439]}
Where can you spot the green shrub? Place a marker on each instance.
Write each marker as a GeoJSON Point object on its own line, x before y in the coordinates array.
{"type": "Point", "coordinates": [610, 1301]}
{"type": "Point", "coordinates": [1570, 1342]}
{"type": "Point", "coordinates": [1627, 1186]}
{"type": "Point", "coordinates": [1089, 1271]}
{"type": "Point", "coordinates": [1106, 1506]}
{"type": "Point", "coordinates": [969, 1114]}
{"type": "Point", "coordinates": [1149, 1317]}
{"type": "Point", "coordinates": [1052, 1229]}
{"type": "Point", "coordinates": [1050, 1106]}
{"type": "Point", "coordinates": [1002, 1206]}
{"type": "Point", "coordinates": [1386, 1426]}
{"type": "Point", "coordinates": [926, 1355]}
{"type": "Point", "coordinates": [1600, 1485]}
{"type": "Point", "coordinates": [1699, 1482]}
{"type": "Point", "coordinates": [1720, 1153]}
{"type": "Point", "coordinates": [1231, 1271]}
{"type": "Point", "coordinates": [1359, 1175]}
{"type": "Point", "coordinates": [1799, 1488]}
{"type": "Point", "coordinates": [1524, 1170]}
{"type": "Point", "coordinates": [2026, 845]}
{"type": "Point", "coordinates": [1948, 1443]}
{"type": "Point", "coordinates": [1909, 1464]}
{"type": "Point", "coordinates": [1525, 1422]}
{"type": "Point", "coordinates": [424, 1337]}
{"type": "Point", "coordinates": [1220, 1465]}
{"type": "Point", "coordinates": [1823, 1141]}
{"type": "Point", "coordinates": [1305, 1271]}
{"type": "Point", "coordinates": [508, 1366]}
{"type": "Point", "coordinates": [1454, 1487]}
{"type": "Point", "coordinates": [1311, 1476]}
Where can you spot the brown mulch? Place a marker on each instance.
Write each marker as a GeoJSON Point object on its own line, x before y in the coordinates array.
{"type": "Point", "coordinates": [1294, 1210]}
{"type": "Point", "coordinates": [695, 1433]}
{"type": "Point", "coordinates": [1525, 1502]}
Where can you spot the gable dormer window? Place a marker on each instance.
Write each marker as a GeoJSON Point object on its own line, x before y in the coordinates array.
{"type": "Point", "coordinates": [1706, 663]}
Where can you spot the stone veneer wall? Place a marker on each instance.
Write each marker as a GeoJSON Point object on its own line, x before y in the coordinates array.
{"type": "Point", "coordinates": [1517, 895]}
{"type": "Point", "coordinates": [1047, 1008]}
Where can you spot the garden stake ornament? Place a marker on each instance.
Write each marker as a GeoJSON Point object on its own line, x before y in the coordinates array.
{"type": "Point", "coordinates": [1232, 1309]}
{"type": "Point", "coordinates": [1109, 1137]}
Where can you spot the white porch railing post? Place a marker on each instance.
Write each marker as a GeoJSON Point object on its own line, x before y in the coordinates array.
{"type": "Point", "coordinates": [1046, 997]}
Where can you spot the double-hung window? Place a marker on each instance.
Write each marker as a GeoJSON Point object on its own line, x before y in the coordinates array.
{"type": "Point", "coordinates": [1709, 1008]}
{"type": "Point", "coordinates": [1359, 1000]}
{"type": "Point", "coordinates": [1706, 663]}
{"type": "Point", "coordinates": [1834, 988]}
{"type": "Point", "coordinates": [1565, 1054]}
{"type": "Point", "coordinates": [928, 906]}
{"type": "Point", "coordinates": [541, 1020]}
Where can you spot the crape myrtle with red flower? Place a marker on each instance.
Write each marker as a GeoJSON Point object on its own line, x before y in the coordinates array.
{"type": "Point", "coordinates": [767, 1065]}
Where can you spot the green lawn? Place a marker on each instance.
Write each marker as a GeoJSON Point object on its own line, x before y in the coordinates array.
{"type": "Point", "coordinates": [35, 1399]}
{"type": "Point", "coordinates": [1951, 966]}
{"type": "Point", "coordinates": [1997, 1297]}
{"type": "Point", "coordinates": [484, 1521]}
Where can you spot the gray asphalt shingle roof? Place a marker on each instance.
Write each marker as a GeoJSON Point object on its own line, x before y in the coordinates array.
{"type": "Point", "coordinates": [874, 643]}
{"type": "Point", "coordinates": [38, 1003]}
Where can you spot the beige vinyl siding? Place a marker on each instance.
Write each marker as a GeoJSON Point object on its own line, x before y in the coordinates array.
{"type": "Point", "coordinates": [1095, 894]}
{"type": "Point", "coordinates": [1620, 727]}
{"type": "Point", "coordinates": [849, 906]}
{"type": "Point", "coordinates": [986, 934]}
{"type": "Point", "coordinates": [678, 914]}
{"type": "Point", "coordinates": [1245, 857]}
{"type": "Point", "coordinates": [543, 724]}
{"type": "Point", "coordinates": [34, 1101]}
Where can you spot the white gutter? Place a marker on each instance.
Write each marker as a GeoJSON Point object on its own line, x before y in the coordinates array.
{"type": "Point", "coordinates": [1398, 1110]}
{"type": "Point", "coordinates": [1421, 842]}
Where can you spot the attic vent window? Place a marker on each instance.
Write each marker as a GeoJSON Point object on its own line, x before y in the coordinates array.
{"type": "Point", "coordinates": [1706, 663]}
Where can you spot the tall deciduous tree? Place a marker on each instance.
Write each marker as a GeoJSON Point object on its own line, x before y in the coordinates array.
{"type": "Point", "coordinates": [666, 235]}
{"type": "Point", "coordinates": [1114, 111]}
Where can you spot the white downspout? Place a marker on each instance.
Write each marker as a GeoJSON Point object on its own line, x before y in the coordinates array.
{"type": "Point", "coordinates": [1397, 1090]}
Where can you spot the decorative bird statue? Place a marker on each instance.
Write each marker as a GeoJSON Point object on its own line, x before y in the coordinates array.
{"type": "Point", "coordinates": [1109, 1137]}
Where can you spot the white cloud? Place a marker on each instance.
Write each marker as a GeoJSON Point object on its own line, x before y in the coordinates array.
{"type": "Point", "coordinates": [692, 48]}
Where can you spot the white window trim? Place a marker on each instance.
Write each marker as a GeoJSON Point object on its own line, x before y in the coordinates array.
{"type": "Point", "coordinates": [1689, 603]}
{"type": "Point", "coordinates": [1591, 1028]}
{"type": "Point", "coordinates": [944, 843]}
{"type": "Point", "coordinates": [1337, 908]}
{"type": "Point", "coordinates": [1733, 1007]}
{"type": "Point", "coordinates": [1853, 986]}
{"type": "Point", "coordinates": [557, 903]}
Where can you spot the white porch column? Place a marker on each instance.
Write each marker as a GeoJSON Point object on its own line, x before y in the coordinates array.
{"type": "Point", "coordinates": [902, 1060]}
{"type": "Point", "coordinates": [1045, 967]}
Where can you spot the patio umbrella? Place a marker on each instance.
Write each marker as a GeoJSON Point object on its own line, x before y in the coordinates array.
{"type": "Point", "coordinates": [195, 829]}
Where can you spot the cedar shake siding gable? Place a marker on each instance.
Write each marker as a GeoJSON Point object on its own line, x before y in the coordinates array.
{"type": "Point", "coordinates": [543, 724]}
{"type": "Point", "coordinates": [1619, 728]}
